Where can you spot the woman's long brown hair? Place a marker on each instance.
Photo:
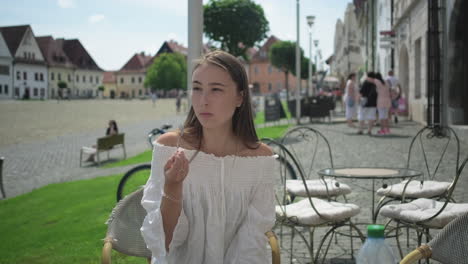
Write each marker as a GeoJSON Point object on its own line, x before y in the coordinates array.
{"type": "Point", "coordinates": [242, 120]}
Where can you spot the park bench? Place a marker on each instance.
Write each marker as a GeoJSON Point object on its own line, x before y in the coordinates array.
{"type": "Point", "coordinates": [106, 143]}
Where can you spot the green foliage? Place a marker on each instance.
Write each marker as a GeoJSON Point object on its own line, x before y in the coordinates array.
{"type": "Point", "coordinates": [168, 71]}
{"type": "Point", "coordinates": [272, 132]}
{"type": "Point", "coordinates": [282, 55]}
{"type": "Point", "coordinates": [62, 84]}
{"type": "Point", "coordinates": [236, 24]}
{"type": "Point", "coordinates": [101, 88]}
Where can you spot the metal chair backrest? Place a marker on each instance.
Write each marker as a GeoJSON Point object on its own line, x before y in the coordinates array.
{"type": "Point", "coordinates": [287, 162]}
{"type": "Point", "coordinates": [309, 148]}
{"type": "Point", "coordinates": [435, 150]}
{"type": "Point", "coordinates": [108, 142]}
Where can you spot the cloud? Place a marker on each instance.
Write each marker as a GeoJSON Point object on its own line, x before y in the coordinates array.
{"type": "Point", "coordinates": [95, 18]}
{"type": "Point", "coordinates": [66, 3]}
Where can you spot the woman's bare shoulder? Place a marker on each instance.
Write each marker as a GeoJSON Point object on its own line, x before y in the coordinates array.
{"type": "Point", "coordinates": [168, 139]}
{"type": "Point", "coordinates": [261, 150]}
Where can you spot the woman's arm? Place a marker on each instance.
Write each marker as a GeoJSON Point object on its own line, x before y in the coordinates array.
{"type": "Point", "coordinates": [175, 171]}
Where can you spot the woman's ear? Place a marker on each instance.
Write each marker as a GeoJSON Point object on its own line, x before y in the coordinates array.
{"type": "Point", "coordinates": [240, 98]}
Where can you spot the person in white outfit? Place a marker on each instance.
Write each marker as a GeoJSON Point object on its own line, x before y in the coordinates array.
{"type": "Point", "coordinates": [210, 196]}
{"type": "Point", "coordinates": [351, 99]}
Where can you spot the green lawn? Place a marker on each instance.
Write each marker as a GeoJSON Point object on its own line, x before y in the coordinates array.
{"type": "Point", "coordinates": [59, 223]}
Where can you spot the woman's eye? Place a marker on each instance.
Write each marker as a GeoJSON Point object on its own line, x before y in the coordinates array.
{"type": "Point", "coordinates": [196, 89]}
{"type": "Point", "coordinates": [217, 89]}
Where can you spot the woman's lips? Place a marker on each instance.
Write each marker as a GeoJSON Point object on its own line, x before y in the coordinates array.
{"type": "Point", "coordinates": [206, 114]}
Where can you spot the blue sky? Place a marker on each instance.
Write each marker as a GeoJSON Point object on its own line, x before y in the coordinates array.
{"type": "Point", "coordinates": [113, 30]}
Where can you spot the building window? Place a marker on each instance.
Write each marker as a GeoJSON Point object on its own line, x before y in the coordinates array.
{"type": "Point", "coordinates": [0, 89]}
{"type": "Point", "coordinates": [35, 92]}
{"type": "Point", "coordinates": [69, 78]}
{"type": "Point", "coordinates": [121, 80]}
{"type": "Point", "coordinates": [269, 87]}
{"type": "Point", "coordinates": [42, 92]}
{"type": "Point", "coordinates": [18, 75]}
{"type": "Point", "coordinates": [34, 56]}
{"type": "Point", "coordinates": [77, 78]}
{"type": "Point", "coordinates": [52, 76]}
{"type": "Point", "coordinates": [140, 92]}
{"type": "Point", "coordinates": [84, 78]}
{"type": "Point", "coordinates": [417, 62]}
{"type": "Point", "coordinates": [90, 79]}
{"type": "Point", "coordinates": [25, 75]}
{"type": "Point", "coordinates": [59, 76]}
{"type": "Point", "coordinates": [36, 76]}
{"type": "Point", "coordinates": [97, 79]}
{"type": "Point", "coordinates": [255, 69]}
{"type": "Point", "coordinates": [4, 70]}
{"type": "Point", "coordinates": [139, 79]}
{"type": "Point", "coordinates": [16, 91]}
{"type": "Point", "coordinates": [133, 79]}
{"type": "Point", "coordinates": [41, 76]}
{"type": "Point", "coordinates": [269, 69]}
{"type": "Point", "coordinates": [5, 89]}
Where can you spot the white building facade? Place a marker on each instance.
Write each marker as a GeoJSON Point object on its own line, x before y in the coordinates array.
{"type": "Point", "coordinates": [6, 68]}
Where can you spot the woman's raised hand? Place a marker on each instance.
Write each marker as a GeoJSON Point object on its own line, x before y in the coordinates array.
{"type": "Point", "coordinates": [176, 168]}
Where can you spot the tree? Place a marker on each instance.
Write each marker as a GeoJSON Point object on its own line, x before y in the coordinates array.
{"type": "Point", "coordinates": [236, 24]}
{"type": "Point", "coordinates": [168, 71]}
{"type": "Point", "coordinates": [282, 55]}
{"type": "Point", "coordinates": [62, 85]}
{"type": "Point", "coordinates": [101, 88]}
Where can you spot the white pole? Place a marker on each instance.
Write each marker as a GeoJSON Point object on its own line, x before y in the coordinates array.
{"type": "Point", "coordinates": [195, 35]}
{"type": "Point", "coordinates": [298, 69]}
{"type": "Point", "coordinates": [311, 86]}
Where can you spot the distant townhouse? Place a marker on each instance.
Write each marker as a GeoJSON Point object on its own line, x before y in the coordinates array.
{"type": "Point", "coordinates": [130, 78]}
{"type": "Point", "coordinates": [6, 68]}
{"type": "Point", "coordinates": [60, 68]}
{"type": "Point", "coordinates": [110, 85]}
{"type": "Point", "coordinates": [264, 78]}
{"type": "Point", "coordinates": [88, 75]}
{"type": "Point", "coordinates": [29, 71]}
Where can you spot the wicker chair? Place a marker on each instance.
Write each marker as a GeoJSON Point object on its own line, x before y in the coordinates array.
{"type": "Point", "coordinates": [123, 232]}
{"type": "Point", "coordinates": [449, 246]}
{"type": "Point", "coordinates": [309, 213]}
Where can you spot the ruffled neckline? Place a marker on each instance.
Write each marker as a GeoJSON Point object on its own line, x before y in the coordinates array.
{"type": "Point", "coordinates": [212, 156]}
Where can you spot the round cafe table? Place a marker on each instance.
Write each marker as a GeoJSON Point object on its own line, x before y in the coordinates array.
{"type": "Point", "coordinates": [370, 173]}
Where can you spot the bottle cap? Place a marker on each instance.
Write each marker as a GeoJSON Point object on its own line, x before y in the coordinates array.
{"type": "Point", "coordinates": [376, 231]}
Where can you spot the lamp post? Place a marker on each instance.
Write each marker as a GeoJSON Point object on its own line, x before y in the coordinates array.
{"type": "Point", "coordinates": [310, 21]}
{"type": "Point", "coordinates": [316, 42]}
{"type": "Point", "coordinates": [298, 68]}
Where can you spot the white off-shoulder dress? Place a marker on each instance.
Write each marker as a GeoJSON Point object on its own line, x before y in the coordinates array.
{"type": "Point", "coordinates": [228, 205]}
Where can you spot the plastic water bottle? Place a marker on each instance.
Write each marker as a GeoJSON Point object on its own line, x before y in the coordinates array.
{"type": "Point", "coordinates": [375, 250]}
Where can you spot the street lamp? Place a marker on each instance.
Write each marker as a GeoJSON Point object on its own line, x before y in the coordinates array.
{"type": "Point", "coordinates": [310, 21]}
{"type": "Point", "coordinates": [316, 42]}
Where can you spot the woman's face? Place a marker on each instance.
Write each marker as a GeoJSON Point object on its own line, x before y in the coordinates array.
{"type": "Point", "coordinates": [214, 96]}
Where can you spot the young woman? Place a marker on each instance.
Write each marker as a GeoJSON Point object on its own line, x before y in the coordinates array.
{"type": "Point", "coordinates": [383, 104]}
{"type": "Point", "coordinates": [210, 196]}
{"type": "Point", "coordinates": [351, 97]}
{"type": "Point", "coordinates": [112, 129]}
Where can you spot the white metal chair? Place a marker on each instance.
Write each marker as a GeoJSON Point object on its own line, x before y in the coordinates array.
{"type": "Point", "coordinates": [309, 213]}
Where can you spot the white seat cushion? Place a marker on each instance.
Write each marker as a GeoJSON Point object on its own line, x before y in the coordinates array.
{"type": "Point", "coordinates": [303, 213]}
{"type": "Point", "coordinates": [316, 188]}
{"type": "Point", "coordinates": [415, 189]}
{"type": "Point", "coordinates": [88, 150]}
{"type": "Point", "coordinates": [422, 209]}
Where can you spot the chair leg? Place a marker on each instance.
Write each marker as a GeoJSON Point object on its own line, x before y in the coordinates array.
{"type": "Point", "coordinates": [293, 232]}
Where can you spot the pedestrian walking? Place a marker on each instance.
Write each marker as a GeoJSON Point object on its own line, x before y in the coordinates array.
{"type": "Point", "coordinates": [368, 102]}
{"type": "Point", "coordinates": [383, 103]}
{"type": "Point", "coordinates": [351, 97]}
